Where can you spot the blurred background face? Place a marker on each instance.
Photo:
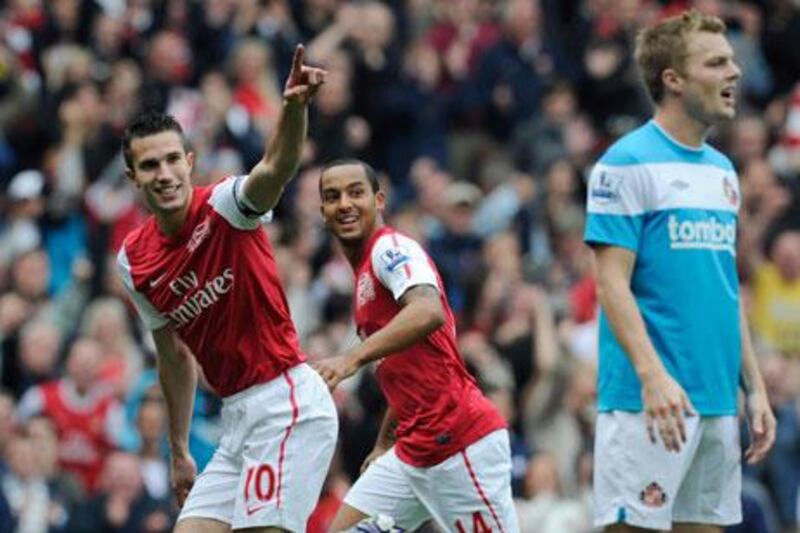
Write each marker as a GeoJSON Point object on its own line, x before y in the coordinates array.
{"type": "Point", "coordinates": [170, 58]}
{"type": "Point", "coordinates": [44, 441]}
{"type": "Point", "coordinates": [39, 346]}
{"type": "Point", "coordinates": [20, 457]}
{"type": "Point", "coordinates": [376, 26]}
{"type": "Point", "coordinates": [522, 19]}
{"type": "Point", "coordinates": [31, 274]}
{"type": "Point", "coordinates": [121, 476]}
{"type": "Point", "coordinates": [6, 418]}
{"type": "Point", "coordinates": [252, 61]}
{"type": "Point", "coordinates": [748, 139]}
{"type": "Point", "coordinates": [786, 255]}
{"type": "Point", "coordinates": [83, 363]}
{"type": "Point", "coordinates": [151, 420]}
{"type": "Point", "coordinates": [106, 322]}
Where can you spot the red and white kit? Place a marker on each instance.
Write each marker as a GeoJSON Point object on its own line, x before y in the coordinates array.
{"type": "Point", "coordinates": [217, 284]}
{"type": "Point", "coordinates": [86, 425]}
{"type": "Point", "coordinates": [451, 460]}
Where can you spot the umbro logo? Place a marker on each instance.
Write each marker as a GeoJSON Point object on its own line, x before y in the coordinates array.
{"type": "Point", "coordinates": [679, 184]}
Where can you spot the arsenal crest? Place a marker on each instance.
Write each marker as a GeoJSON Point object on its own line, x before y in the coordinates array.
{"type": "Point", "coordinates": [365, 289]}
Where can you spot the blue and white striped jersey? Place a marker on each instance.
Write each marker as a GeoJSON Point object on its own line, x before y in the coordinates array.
{"type": "Point", "coordinates": [676, 207]}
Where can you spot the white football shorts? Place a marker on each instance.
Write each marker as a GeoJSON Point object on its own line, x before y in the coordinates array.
{"type": "Point", "coordinates": [640, 483]}
{"type": "Point", "coordinates": [277, 443]}
{"type": "Point", "coordinates": [469, 491]}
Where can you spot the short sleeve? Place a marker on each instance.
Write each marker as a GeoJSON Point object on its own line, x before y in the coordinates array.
{"type": "Point", "coordinates": [151, 317]}
{"type": "Point", "coordinates": [616, 203]}
{"type": "Point", "coordinates": [400, 263]}
{"type": "Point", "coordinates": [227, 200]}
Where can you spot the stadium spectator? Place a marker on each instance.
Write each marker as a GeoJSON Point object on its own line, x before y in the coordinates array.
{"type": "Point", "coordinates": [86, 415]}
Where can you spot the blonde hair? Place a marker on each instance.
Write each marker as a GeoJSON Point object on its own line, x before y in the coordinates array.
{"type": "Point", "coordinates": [665, 46]}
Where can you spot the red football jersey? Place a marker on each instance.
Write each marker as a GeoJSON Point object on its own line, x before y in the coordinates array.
{"type": "Point", "coordinates": [438, 405]}
{"type": "Point", "coordinates": [83, 440]}
{"type": "Point", "coordinates": [217, 283]}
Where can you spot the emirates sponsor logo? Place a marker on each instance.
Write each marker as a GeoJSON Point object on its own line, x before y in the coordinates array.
{"type": "Point", "coordinates": [202, 298]}
{"type": "Point", "coordinates": [182, 284]}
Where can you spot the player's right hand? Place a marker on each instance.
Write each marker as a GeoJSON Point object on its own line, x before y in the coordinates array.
{"type": "Point", "coordinates": [184, 470]}
{"type": "Point", "coordinates": [376, 452]}
{"type": "Point", "coordinates": [666, 405]}
{"type": "Point", "coordinates": [303, 81]}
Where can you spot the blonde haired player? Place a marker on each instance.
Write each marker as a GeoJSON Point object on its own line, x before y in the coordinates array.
{"type": "Point", "coordinates": [674, 344]}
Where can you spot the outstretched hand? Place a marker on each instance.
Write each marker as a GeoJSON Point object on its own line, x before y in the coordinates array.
{"type": "Point", "coordinates": [303, 81]}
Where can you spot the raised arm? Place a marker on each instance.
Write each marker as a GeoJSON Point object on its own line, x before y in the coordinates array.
{"type": "Point", "coordinates": [760, 419]}
{"type": "Point", "coordinates": [264, 185]}
{"type": "Point", "coordinates": [178, 377]}
{"type": "Point", "coordinates": [665, 402]}
{"type": "Point", "coordinates": [421, 315]}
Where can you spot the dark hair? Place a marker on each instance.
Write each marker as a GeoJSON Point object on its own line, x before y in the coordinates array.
{"type": "Point", "coordinates": [146, 124]}
{"type": "Point", "coordinates": [372, 176]}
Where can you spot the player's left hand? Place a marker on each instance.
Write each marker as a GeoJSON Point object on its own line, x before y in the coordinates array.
{"type": "Point", "coordinates": [761, 423]}
{"type": "Point", "coordinates": [335, 369]}
{"type": "Point", "coordinates": [303, 81]}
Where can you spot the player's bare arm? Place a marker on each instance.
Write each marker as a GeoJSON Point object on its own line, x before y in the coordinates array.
{"type": "Point", "coordinates": [665, 402]}
{"type": "Point", "coordinates": [385, 439]}
{"type": "Point", "coordinates": [421, 315]}
{"type": "Point", "coordinates": [266, 181]}
{"type": "Point", "coordinates": [178, 376]}
{"type": "Point", "coordinates": [760, 418]}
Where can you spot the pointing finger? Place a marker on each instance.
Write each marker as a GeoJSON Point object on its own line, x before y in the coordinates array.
{"type": "Point", "coordinates": [297, 64]}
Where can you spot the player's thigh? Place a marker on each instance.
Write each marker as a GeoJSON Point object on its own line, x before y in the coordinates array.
{"type": "Point", "coordinates": [287, 453]}
{"type": "Point", "coordinates": [711, 491]}
{"type": "Point", "coordinates": [383, 489]}
{"type": "Point", "coordinates": [201, 525]}
{"type": "Point", "coordinates": [625, 528]}
{"type": "Point", "coordinates": [636, 480]}
{"type": "Point", "coordinates": [696, 528]}
{"type": "Point", "coordinates": [213, 495]}
{"type": "Point", "coordinates": [267, 529]}
{"type": "Point", "coordinates": [471, 490]}
{"type": "Point", "coordinates": [346, 517]}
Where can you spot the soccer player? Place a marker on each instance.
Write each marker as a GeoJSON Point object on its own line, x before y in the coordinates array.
{"type": "Point", "coordinates": [674, 342]}
{"type": "Point", "coordinates": [202, 275]}
{"type": "Point", "coordinates": [443, 450]}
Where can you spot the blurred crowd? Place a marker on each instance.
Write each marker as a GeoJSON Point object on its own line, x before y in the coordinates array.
{"type": "Point", "coordinates": [483, 118]}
